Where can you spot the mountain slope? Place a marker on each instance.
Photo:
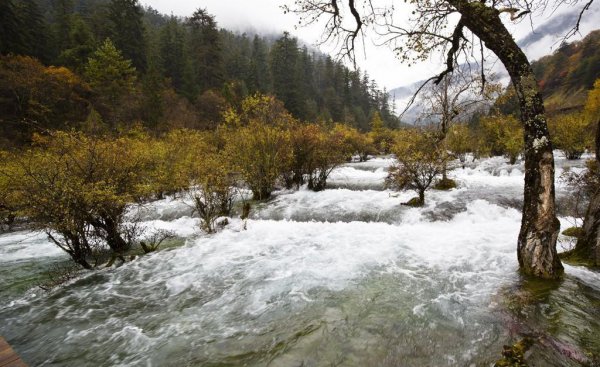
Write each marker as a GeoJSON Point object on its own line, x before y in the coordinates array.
{"type": "Point", "coordinates": [565, 76]}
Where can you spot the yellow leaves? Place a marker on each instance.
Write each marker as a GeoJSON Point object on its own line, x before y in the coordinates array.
{"type": "Point", "coordinates": [420, 160]}
{"type": "Point", "coordinates": [353, 141]}
{"type": "Point", "coordinates": [376, 123]}
{"type": "Point", "coordinates": [70, 175]}
{"type": "Point", "coordinates": [459, 139]}
{"type": "Point", "coordinates": [265, 109]}
{"type": "Point", "coordinates": [570, 133]}
{"type": "Point", "coordinates": [260, 152]}
{"type": "Point", "coordinates": [503, 134]}
{"type": "Point", "coordinates": [592, 105]}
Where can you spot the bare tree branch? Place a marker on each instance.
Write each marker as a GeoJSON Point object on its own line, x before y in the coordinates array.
{"type": "Point", "coordinates": [575, 28]}
{"type": "Point", "coordinates": [457, 35]}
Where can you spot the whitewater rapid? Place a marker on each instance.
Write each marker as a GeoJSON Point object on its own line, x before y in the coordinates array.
{"type": "Point", "coordinates": [346, 276]}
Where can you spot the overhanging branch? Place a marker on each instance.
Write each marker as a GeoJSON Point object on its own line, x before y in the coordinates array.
{"type": "Point", "coordinates": [457, 35]}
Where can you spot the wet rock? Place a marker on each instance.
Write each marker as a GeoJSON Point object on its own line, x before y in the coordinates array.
{"type": "Point", "coordinates": [445, 211]}
{"type": "Point", "coordinates": [514, 355]}
{"type": "Point", "coordinates": [414, 202]}
{"type": "Point", "coordinates": [445, 184]}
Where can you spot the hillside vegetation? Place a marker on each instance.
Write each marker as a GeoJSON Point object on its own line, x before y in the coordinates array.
{"type": "Point", "coordinates": [116, 64]}
{"type": "Point", "coordinates": [564, 77]}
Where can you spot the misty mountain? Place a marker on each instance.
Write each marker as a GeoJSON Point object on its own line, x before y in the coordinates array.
{"type": "Point", "coordinates": [553, 29]}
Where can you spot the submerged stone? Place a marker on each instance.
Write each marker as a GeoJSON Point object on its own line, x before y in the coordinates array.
{"type": "Point", "coordinates": [445, 184]}
{"type": "Point", "coordinates": [514, 355]}
{"type": "Point", "coordinates": [414, 202]}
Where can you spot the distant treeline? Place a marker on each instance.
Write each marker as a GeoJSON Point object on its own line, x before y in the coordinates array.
{"type": "Point", "coordinates": [114, 62]}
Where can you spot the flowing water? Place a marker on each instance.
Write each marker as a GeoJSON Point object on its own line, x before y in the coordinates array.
{"type": "Point", "coordinates": [343, 277]}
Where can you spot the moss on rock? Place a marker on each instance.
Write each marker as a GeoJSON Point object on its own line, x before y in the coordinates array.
{"type": "Point", "coordinates": [573, 232]}
{"type": "Point", "coordinates": [445, 184]}
{"type": "Point", "coordinates": [414, 202]}
{"type": "Point", "coordinates": [514, 355]}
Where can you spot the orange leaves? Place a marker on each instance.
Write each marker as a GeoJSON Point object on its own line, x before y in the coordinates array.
{"type": "Point", "coordinates": [34, 95]}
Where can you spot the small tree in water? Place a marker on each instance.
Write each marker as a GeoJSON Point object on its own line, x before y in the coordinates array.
{"type": "Point", "coordinates": [460, 141]}
{"type": "Point", "coordinates": [316, 152]}
{"type": "Point", "coordinates": [420, 161]}
{"type": "Point", "coordinates": [261, 153]}
{"type": "Point", "coordinates": [78, 188]}
{"type": "Point", "coordinates": [503, 135]}
{"type": "Point", "coordinates": [212, 190]}
{"type": "Point", "coordinates": [257, 142]}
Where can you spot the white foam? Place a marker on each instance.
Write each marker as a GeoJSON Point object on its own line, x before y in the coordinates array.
{"type": "Point", "coordinates": [24, 245]}
{"type": "Point", "coordinates": [349, 175]}
{"type": "Point", "coordinates": [238, 291]}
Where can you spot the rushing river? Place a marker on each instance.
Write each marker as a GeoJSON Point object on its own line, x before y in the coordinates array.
{"type": "Point", "coordinates": [343, 277]}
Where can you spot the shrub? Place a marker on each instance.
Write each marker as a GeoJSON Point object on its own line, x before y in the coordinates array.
{"type": "Point", "coordinates": [77, 189]}
{"type": "Point", "coordinates": [261, 153]}
{"type": "Point", "coordinates": [331, 151]}
{"type": "Point", "coordinates": [570, 133]}
{"type": "Point", "coordinates": [503, 135]}
{"type": "Point", "coordinates": [316, 152]}
{"type": "Point", "coordinates": [176, 157]}
{"type": "Point", "coordinates": [381, 136]}
{"type": "Point", "coordinates": [355, 142]}
{"type": "Point", "coordinates": [212, 190]}
{"type": "Point", "coordinates": [460, 141]}
{"type": "Point", "coordinates": [420, 161]}
{"type": "Point", "coordinates": [261, 108]}
{"type": "Point", "coordinates": [8, 207]}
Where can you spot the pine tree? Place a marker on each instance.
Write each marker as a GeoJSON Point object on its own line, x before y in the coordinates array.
{"type": "Point", "coordinates": [111, 77]}
{"type": "Point", "coordinates": [172, 53]}
{"type": "Point", "coordinates": [35, 31]}
{"type": "Point", "coordinates": [62, 11]}
{"type": "Point", "coordinates": [23, 29]}
{"type": "Point", "coordinates": [260, 73]}
{"type": "Point", "coordinates": [127, 30]}
{"type": "Point", "coordinates": [9, 28]}
{"type": "Point", "coordinates": [205, 51]}
{"type": "Point", "coordinates": [79, 47]}
{"type": "Point", "coordinates": [284, 58]}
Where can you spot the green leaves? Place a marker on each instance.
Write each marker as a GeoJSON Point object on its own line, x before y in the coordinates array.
{"type": "Point", "coordinates": [109, 74]}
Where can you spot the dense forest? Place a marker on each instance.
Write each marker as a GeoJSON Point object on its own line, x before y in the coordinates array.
{"type": "Point", "coordinates": [114, 64]}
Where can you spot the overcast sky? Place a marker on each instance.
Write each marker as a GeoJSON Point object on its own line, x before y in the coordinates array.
{"type": "Point", "coordinates": [267, 16]}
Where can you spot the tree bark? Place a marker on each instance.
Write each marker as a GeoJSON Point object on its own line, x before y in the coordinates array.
{"type": "Point", "coordinates": [112, 234]}
{"type": "Point", "coordinates": [588, 245]}
{"type": "Point", "coordinates": [75, 248]}
{"type": "Point", "coordinates": [539, 226]}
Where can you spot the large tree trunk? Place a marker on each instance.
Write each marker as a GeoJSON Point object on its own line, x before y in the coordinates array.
{"type": "Point", "coordinates": [539, 226]}
{"type": "Point", "coordinates": [588, 245]}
